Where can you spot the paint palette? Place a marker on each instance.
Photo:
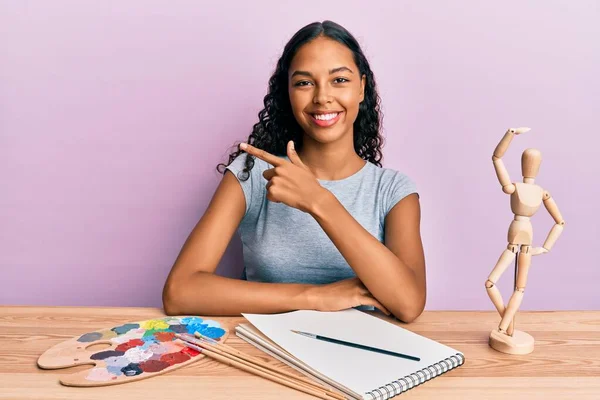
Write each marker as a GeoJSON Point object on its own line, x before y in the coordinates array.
{"type": "Point", "coordinates": [136, 350]}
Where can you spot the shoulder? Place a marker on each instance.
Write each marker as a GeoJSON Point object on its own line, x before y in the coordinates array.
{"type": "Point", "coordinates": [238, 165]}
{"type": "Point", "coordinates": [392, 179]}
{"type": "Point", "coordinates": [252, 182]}
{"type": "Point", "coordinates": [392, 185]}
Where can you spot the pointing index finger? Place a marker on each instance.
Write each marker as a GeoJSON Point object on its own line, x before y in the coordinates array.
{"type": "Point", "coordinates": [263, 155]}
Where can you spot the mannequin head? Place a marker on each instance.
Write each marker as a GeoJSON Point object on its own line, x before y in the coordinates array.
{"type": "Point", "coordinates": [530, 163]}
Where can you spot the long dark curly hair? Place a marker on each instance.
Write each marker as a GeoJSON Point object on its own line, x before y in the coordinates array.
{"type": "Point", "coordinates": [277, 124]}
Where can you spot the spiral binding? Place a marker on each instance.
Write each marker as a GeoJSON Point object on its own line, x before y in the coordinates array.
{"type": "Point", "coordinates": [410, 381]}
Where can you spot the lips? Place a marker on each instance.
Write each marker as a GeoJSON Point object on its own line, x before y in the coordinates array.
{"type": "Point", "coordinates": [329, 119]}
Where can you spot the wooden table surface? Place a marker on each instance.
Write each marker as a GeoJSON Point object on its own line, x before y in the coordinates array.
{"type": "Point", "coordinates": [564, 365]}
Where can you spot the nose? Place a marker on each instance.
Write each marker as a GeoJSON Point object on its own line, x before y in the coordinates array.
{"type": "Point", "coordinates": [322, 95]}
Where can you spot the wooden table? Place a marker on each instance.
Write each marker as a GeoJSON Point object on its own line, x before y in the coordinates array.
{"type": "Point", "coordinates": [564, 365]}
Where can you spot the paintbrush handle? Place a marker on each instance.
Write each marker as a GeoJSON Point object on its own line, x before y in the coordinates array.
{"type": "Point", "coordinates": [227, 349]}
{"type": "Point", "coordinates": [265, 367]}
{"type": "Point", "coordinates": [257, 371]}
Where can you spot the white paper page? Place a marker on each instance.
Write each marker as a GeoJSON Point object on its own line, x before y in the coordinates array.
{"type": "Point", "coordinates": [359, 370]}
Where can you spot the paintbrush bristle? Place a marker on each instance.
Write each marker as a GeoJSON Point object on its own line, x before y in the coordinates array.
{"type": "Point", "coordinates": [201, 336]}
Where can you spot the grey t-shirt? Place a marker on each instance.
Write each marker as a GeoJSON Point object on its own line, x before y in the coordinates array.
{"type": "Point", "coordinates": [286, 245]}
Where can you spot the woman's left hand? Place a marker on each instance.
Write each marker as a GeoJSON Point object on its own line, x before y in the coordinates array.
{"type": "Point", "coordinates": [290, 182]}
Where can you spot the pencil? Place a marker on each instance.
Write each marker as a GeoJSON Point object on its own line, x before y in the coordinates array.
{"type": "Point", "coordinates": [356, 345]}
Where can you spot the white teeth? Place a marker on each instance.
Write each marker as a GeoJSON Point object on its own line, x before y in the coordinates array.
{"type": "Point", "coordinates": [325, 117]}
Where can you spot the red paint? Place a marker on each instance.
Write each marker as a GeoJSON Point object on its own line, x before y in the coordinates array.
{"type": "Point", "coordinates": [154, 365]}
{"type": "Point", "coordinates": [189, 351]}
{"type": "Point", "coordinates": [129, 344]}
{"type": "Point", "coordinates": [165, 336]}
{"type": "Point", "coordinates": [175, 358]}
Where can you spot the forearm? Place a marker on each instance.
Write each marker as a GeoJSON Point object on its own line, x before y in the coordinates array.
{"type": "Point", "coordinates": [557, 229]}
{"type": "Point", "coordinates": [386, 276]}
{"type": "Point", "coordinates": [504, 143]}
{"type": "Point", "coordinates": [205, 293]}
{"type": "Point", "coordinates": [501, 172]}
{"type": "Point", "coordinates": [553, 236]}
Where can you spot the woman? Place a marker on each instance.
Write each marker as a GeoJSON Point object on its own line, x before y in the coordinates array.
{"type": "Point", "coordinates": [323, 225]}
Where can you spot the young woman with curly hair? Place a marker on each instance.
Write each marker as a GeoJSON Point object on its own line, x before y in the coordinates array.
{"type": "Point", "coordinates": [323, 225]}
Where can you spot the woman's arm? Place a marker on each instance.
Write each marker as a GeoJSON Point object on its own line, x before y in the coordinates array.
{"type": "Point", "coordinates": [193, 288]}
{"type": "Point", "coordinates": [395, 272]}
{"type": "Point", "coordinates": [204, 293]}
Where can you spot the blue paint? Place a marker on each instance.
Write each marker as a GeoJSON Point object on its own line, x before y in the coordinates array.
{"type": "Point", "coordinates": [124, 328]}
{"type": "Point", "coordinates": [115, 370]}
{"type": "Point", "coordinates": [146, 345]}
{"type": "Point", "coordinates": [191, 328]}
{"type": "Point", "coordinates": [210, 322]}
{"type": "Point", "coordinates": [191, 320]}
{"type": "Point", "coordinates": [149, 339]}
{"type": "Point", "coordinates": [132, 369]}
{"type": "Point", "coordinates": [90, 337]}
{"type": "Point", "coordinates": [210, 331]}
{"type": "Point", "coordinates": [114, 362]}
{"type": "Point", "coordinates": [178, 328]}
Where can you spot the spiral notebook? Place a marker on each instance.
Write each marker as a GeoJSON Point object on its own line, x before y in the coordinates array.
{"type": "Point", "coordinates": [354, 373]}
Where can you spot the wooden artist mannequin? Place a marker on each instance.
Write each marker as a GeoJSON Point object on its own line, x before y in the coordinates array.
{"type": "Point", "coordinates": [525, 199]}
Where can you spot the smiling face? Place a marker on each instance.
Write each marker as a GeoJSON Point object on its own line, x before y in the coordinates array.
{"type": "Point", "coordinates": [325, 90]}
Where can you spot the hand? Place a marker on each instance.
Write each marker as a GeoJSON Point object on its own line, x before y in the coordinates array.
{"type": "Point", "coordinates": [342, 295]}
{"type": "Point", "coordinates": [290, 182]}
{"type": "Point", "coordinates": [538, 250]}
{"type": "Point", "coordinates": [518, 131]}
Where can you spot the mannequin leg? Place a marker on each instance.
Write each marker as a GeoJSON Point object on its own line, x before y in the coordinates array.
{"type": "Point", "coordinates": [517, 297]}
{"type": "Point", "coordinates": [504, 261]}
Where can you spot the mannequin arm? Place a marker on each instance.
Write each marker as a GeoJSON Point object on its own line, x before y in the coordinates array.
{"type": "Point", "coordinates": [501, 172]}
{"type": "Point", "coordinates": [557, 229]}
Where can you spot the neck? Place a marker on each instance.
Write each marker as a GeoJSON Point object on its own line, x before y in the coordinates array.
{"type": "Point", "coordinates": [330, 161]}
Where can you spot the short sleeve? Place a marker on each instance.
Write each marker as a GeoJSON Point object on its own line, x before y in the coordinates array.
{"type": "Point", "coordinates": [253, 183]}
{"type": "Point", "coordinates": [399, 187]}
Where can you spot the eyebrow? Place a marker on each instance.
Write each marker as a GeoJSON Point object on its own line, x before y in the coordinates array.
{"type": "Point", "coordinates": [331, 71]}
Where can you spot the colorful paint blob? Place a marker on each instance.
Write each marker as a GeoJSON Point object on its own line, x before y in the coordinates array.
{"type": "Point", "coordinates": [119, 330]}
{"type": "Point", "coordinates": [164, 336]}
{"type": "Point", "coordinates": [210, 331]}
{"type": "Point", "coordinates": [153, 365]}
{"type": "Point", "coordinates": [129, 344]}
{"type": "Point", "coordinates": [105, 354]}
{"type": "Point", "coordinates": [90, 337]}
{"type": "Point", "coordinates": [137, 333]}
{"type": "Point", "coordinates": [178, 328]}
{"type": "Point", "coordinates": [174, 358]}
{"type": "Point", "coordinates": [154, 324]}
{"type": "Point", "coordinates": [190, 352]}
{"type": "Point", "coordinates": [132, 369]}
{"type": "Point", "coordinates": [147, 347]}
{"type": "Point", "coordinates": [109, 335]}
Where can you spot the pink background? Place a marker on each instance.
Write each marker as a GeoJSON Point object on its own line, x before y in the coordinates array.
{"type": "Point", "coordinates": [113, 116]}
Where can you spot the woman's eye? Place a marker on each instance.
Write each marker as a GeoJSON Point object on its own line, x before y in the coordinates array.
{"type": "Point", "coordinates": [336, 80]}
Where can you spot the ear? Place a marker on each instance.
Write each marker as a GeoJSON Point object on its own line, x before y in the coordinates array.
{"type": "Point", "coordinates": [363, 82]}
